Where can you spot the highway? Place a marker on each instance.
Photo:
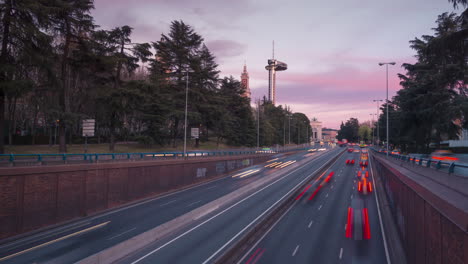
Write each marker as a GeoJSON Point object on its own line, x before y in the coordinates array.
{"type": "Point", "coordinates": [314, 230]}
{"type": "Point", "coordinates": [77, 240]}
{"type": "Point", "coordinates": [204, 241]}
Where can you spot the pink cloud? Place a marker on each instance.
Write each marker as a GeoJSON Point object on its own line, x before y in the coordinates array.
{"type": "Point", "coordinates": [226, 48]}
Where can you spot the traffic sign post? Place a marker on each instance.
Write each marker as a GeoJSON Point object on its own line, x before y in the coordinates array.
{"type": "Point", "coordinates": [195, 133]}
{"type": "Point", "coordinates": [88, 130]}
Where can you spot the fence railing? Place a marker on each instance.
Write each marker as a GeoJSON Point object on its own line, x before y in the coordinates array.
{"type": "Point", "coordinates": [51, 159]}
{"type": "Point", "coordinates": [450, 167]}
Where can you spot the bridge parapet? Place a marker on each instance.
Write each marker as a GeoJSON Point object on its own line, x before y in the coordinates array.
{"type": "Point", "coordinates": [430, 209]}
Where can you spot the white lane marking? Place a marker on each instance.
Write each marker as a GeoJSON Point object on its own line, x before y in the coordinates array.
{"type": "Point", "coordinates": [193, 203]}
{"type": "Point", "coordinates": [310, 224]}
{"type": "Point", "coordinates": [345, 225]}
{"type": "Point", "coordinates": [351, 196]}
{"type": "Point", "coordinates": [262, 214]}
{"type": "Point", "coordinates": [326, 195]}
{"type": "Point", "coordinates": [295, 250]}
{"type": "Point", "coordinates": [210, 188]}
{"type": "Point", "coordinates": [230, 207]}
{"type": "Point", "coordinates": [341, 253]}
{"type": "Point", "coordinates": [47, 234]}
{"type": "Point", "coordinates": [320, 207]}
{"type": "Point", "coordinates": [55, 240]}
{"type": "Point", "coordinates": [121, 233]}
{"type": "Point", "coordinates": [332, 186]}
{"type": "Point", "coordinates": [380, 217]}
{"type": "Point", "coordinates": [167, 203]}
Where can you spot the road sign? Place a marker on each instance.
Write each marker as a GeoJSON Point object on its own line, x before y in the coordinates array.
{"type": "Point", "coordinates": [88, 127]}
{"type": "Point", "coordinates": [195, 132]}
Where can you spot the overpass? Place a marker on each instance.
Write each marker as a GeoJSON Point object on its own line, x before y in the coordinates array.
{"type": "Point", "coordinates": [301, 206]}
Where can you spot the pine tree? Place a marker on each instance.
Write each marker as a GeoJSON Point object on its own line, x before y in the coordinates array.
{"type": "Point", "coordinates": [23, 44]}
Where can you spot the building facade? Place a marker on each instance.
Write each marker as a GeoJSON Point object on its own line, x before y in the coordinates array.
{"type": "Point", "coordinates": [316, 130]}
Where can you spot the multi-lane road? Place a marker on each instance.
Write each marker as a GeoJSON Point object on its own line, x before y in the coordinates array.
{"type": "Point", "coordinates": [201, 242]}
{"type": "Point", "coordinates": [314, 229]}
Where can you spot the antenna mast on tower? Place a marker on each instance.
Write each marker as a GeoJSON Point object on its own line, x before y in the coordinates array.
{"type": "Point", "coordinates": [273, 53]}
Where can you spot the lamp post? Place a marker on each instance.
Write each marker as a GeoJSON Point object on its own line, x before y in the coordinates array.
{"type": "Point", "coordinates": [378, 108]}
{"type": "Point", "coordinates": [185, 123]}
{"type": "Point", "coordinates": [289, 136]}
{"type": "Point", "coordinates": [386, 67]}
{"type": "Point", "coordinates": [186, 112]}
{"type": "Point", "coordinates": [258, 124]}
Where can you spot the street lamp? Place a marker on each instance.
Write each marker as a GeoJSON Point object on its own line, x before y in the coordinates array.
{"type": "Point", "coordinates": [186, 109]}
{"type": "Point", "coordinates": [386, 66]}
{"type": "Point", "coordinates": [258, 124]}
{"type": "Point", "coordinates": [289, 136]}
{"type": "Point", "coordinates": [378, 108]}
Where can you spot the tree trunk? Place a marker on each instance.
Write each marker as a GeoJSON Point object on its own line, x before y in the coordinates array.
{"type": "Point", "coordinates": [10, 127]}
{"type": "Point", "coordinates": [3, 75]}
{"type": "Point", "coordinates": [12, 123]}
{"type": "Point", "coordinates": [112, 140]}
{"type": "Point", "coordinates": [112, 134]}
{"type": "Point", "coordinates": [33, 130]}
{"type": "Point", "coordinates": [62, 138]}
{"type": "Point", "coordinates": [65, 85]}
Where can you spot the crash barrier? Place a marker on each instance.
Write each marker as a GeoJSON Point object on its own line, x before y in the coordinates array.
{"type": "Point", "coordinates": [450, 167]}
{"type": "Point", "coordinates": [10, 160]}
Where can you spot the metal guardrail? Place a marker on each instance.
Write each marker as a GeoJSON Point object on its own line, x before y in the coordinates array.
{"type": "Point", "coordinates": [48, 159]}
{"type": "Point", "coordinates": [450, 167]}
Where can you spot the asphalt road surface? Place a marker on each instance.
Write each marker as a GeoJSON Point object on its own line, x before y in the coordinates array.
{"type": "Point", "coordinates": [314, 231]}
{"type": "Point", "coordinates": [80, 239]}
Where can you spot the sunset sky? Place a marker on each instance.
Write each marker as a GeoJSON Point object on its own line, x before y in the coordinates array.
{"type": "Point", "coordinates": [332, 48]}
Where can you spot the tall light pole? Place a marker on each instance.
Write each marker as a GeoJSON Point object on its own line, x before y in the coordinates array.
{"type": "Point", "coordinates": [386, 67]}
{"type": "Point", "coordinates": [378, 108]}
{"type": "Point", "coordinates": [289, 136]}
{"type": "Point", "coordinates": [185, 123]}
{"type": "Point", "coordinates": [258, 124]}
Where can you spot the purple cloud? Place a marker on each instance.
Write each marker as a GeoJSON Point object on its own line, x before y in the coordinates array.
{"type": "Point", "coordinates": [226, 48]}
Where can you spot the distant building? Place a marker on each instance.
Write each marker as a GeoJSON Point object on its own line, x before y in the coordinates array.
{"type": "Point", "coordinates": [245, 82]}
{"type": "Point", "coordinates": [329, 134]}
{"type": "Point", "coordinates": [316, 130]}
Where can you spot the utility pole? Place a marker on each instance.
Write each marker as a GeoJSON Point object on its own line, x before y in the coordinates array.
{"type": "Point", "coordinates": [258, 124]}
{"type": "Point", "coordinates": [185, 123]}
{"type": "Point", "coordinates": [386, 67]}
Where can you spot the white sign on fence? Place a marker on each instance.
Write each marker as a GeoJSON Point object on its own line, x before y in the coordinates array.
{"type": "Point", "coordinates": [195, 132]}
{"type": "Point", "coordinates": [88, 127]}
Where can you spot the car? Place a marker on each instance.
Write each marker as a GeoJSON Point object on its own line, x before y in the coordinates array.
{"type": "Point", "coordinates": [444, 155]}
